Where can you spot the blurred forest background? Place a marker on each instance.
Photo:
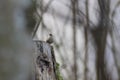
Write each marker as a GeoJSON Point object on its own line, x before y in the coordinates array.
{"type": "Point", "coordinates": [86, 37]}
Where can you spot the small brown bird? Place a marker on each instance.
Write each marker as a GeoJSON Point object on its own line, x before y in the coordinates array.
{"type": "Point", "coordinates": [50, 39]}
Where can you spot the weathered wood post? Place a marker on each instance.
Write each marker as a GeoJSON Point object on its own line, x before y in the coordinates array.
{"type": "Point", "coordinates": [45, 61]}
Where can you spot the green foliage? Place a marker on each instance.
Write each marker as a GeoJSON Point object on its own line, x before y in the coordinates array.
{"type": "Point", "coordinates": [58, 74]}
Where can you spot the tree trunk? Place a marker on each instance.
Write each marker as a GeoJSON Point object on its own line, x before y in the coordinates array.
{"type": "Point", "coordinates": [45, 62]}
{"type": "Point", "coordinates": [100, 35]}
{"type": "Point", "coordinates": [74, 9]}
{"type": "Point", "coordinates": [15, 45]}
{"type": "Point", "coordinates": [86, 41]}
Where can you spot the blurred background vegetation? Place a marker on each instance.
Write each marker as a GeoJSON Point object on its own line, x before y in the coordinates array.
{"type": "Point", "coordinates": [86, 37]}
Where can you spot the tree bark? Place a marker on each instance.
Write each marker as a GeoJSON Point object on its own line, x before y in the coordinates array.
{"type": "Point", "coordinates": [45, 61]}
{"type": "Point", "coordinates": [86, 41]}
{"type": "Point", "coordinates": [100, 35]}
{"type": "Point", "coordinates": [74, 7]}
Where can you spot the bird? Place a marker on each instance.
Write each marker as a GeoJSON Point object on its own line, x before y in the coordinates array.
{"type": "Point", "coordinates": [50, 39]}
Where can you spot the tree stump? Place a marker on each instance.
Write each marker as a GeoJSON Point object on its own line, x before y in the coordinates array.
{"type": "Point", "coordinates": [45, 61]}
